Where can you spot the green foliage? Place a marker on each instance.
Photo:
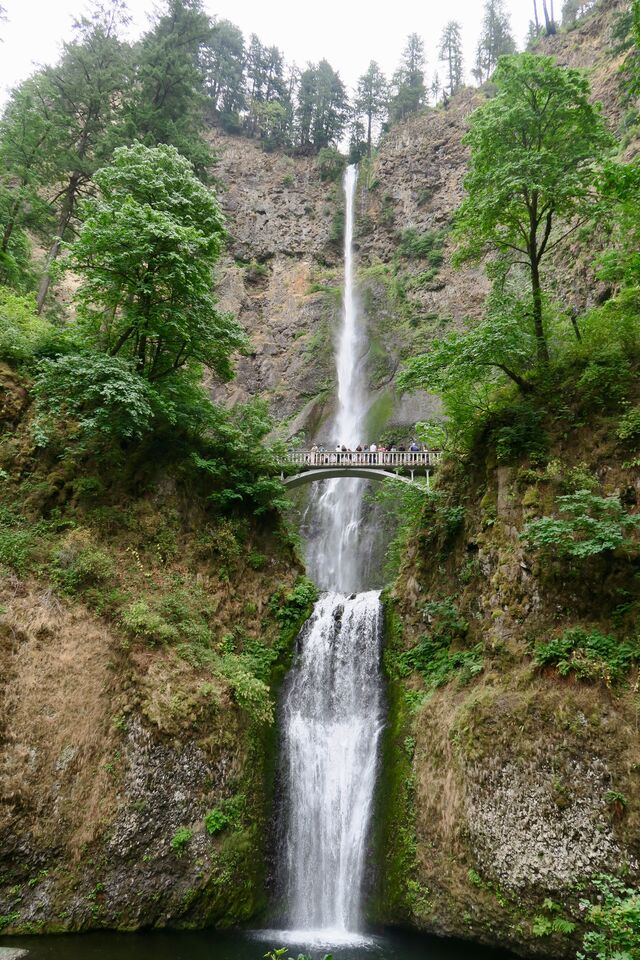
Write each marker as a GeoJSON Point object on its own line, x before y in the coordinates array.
{"type": "Point", "coordinates": [450, 51]}
{"type": "Point", "coordinates": [432, 657]}
{"type": "Point", "coordinates": [535, 149]}
{"type": "Point", "coordinates": [422, 246]}
{"type": "Point", "coordinates": [91, 398]}
{"type": "Point", "coordinates": [216, 821]}
{"type": "Point", "coordinates": [145, 255]}
{"type": "Point", "coordinates": [629, 426]}
{"type": "Point", "coordinates": [288, 609]}
{"type": "Point", "coordinates": [79, 563]}
{"type": "Point", "coordinates": [181, 840]}
{"type": "Point", "coordinates": [590, 655]}
{"type": "Point", "coordinates": [408, 90]}
{"type": "Point", "coordinates": [592, 525]}
{"type": "Point", "coordinates": [496, 40]}
{"type": "Point", "coordinates": [518, 432]}
{"type": "Point", "coordinates": [229, 813]}
{"type": "Point", "coordinates": [330, 164]}
{"type": "Point", "coordinates": [141, 621]}
{"type": "Point", "coordinates": [22, 332]}
{"type": "Point", "coordinates": [615, 917]}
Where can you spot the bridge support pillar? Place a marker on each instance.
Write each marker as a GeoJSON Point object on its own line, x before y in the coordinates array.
{"type": "Point", "coordinates": [428, 480]}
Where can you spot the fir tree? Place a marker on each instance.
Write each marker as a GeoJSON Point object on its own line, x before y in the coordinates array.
{"type": "Point", "coordinates": [224, 62]}
{"type": "Point", "coordinates": [86, 89]}
{"type": "Point", "coordinates": [408, 81]}
{"type": "Point", "coordinates": [450, 52]}
{"type": "Point", "coordinates": [496, 39]}
{"type": "Point", "coordinates": [371, 100]}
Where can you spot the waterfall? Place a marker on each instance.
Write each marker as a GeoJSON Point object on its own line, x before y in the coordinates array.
{"type": "Point", "coordinates": [336, 552]}
{"type": "Point", "coordinates": [332, 707]}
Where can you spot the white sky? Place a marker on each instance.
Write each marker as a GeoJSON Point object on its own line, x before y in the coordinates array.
{"type": "Point", "coordinates": [349, 33]}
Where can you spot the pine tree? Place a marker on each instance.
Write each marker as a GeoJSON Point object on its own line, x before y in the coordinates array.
{"type": "Point", "coordinates": [496, 39]}
{"type": "Point", "coordinates": [408, 81]}
{"type": "Point", "coordinates": [86, 90]}
{"type": "Point", "coordinates": [450, 52]}
{"type": "Point", "coordinates": [371, 100]}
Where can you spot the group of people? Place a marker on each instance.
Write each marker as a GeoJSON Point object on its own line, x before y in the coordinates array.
{"type": "Point", "coordinates": [370, 453]}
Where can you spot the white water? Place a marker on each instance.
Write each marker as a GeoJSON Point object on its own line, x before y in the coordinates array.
{"type": "Point", "coordinates": [336, 553]}
{"type": "Point", "coordinates": [333, 718]}
{"type": "Point", "coordinates": [332, 711]}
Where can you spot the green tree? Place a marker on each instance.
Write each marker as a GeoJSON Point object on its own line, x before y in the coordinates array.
{"type": "Point", "coordinates": [535, 152]}
{"type": "Point", "coordinates": [496, 39]}
{"type": "Point", "coordinates": [323, 108]}
{"type": "Point", "coordinates": [86, 89]}
{"type": "Point", "coordinates": [166, 102]}
{"type": "Point", "coordinates": [408, 81]}
{"type": "Point", "coordinates": [145, 255]}
{"type": "Point", "coordinates": [29, 147]}
{"type": "Point", "coordinates": [450, 52]}
{"type": "Point", "coordinates": [371, 100]}
{"type": "Point", "coordinates": [224, 60]}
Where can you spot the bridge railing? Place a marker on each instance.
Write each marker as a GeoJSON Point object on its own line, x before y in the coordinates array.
{"type": "Point", "coordinates": [406, 459]}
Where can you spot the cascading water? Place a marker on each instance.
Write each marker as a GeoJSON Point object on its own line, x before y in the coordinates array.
{"type": "Point", "coordinates": [332, 710]}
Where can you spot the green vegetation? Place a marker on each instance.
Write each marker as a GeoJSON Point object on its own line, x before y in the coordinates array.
{"type": "Point", "coordinates": [432, 656]}
{"type": "Point", "coordinates": [593, 525]}
{"type": "Point", "coordinates": [181, 840]}
{"type": "Point", "coordinates": [615, 917]}
{"type": "Point", "coordinates": [589, 655]}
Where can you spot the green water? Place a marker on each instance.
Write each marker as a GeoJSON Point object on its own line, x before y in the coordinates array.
{"type": "Point", "coordinates": [211, 945]}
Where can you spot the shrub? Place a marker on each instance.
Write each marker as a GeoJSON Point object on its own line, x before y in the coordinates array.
{"type": "Point", "coordinates": [330, 164]}
{"type": "Point", "coordinates": [432, 658]}
{"type": "Point", "coordinates": [590, 655]}
{"type": "Point", "coordinates": [140, 620]}
{"type": "Point", "coordinates": [79, 563]}
{"type": "Point", "coordinates": [21, 330]}
{"type": "Point", "coordinates": [216, 821]}
{"type": "Point", "coordinates": [616, 919]}
{"type": "Point", "coordinates": [181, 839]}
{"type": "Point", "coordinates": [422, 246]}
{"type": "Point", "coordinates": [629, 427]}
{"type": "Point", "coordinates": [593, 525]}
{"type": "Point", "coordinates": [93, 397]}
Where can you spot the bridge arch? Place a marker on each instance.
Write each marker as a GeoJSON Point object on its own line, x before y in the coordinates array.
{"type": "Point", "coordinates": [349, 473]}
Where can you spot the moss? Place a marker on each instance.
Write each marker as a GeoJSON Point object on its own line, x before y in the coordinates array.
{"type": "Point", "coordinates": [397, 895]}
{"type": "Point", "coordinates": [379, 414]}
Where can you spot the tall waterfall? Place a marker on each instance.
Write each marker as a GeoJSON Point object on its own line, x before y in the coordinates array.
{"type": "Point", "coordinates": [332, 710]}
{"type": "Point", "coordinates": [336, 553]}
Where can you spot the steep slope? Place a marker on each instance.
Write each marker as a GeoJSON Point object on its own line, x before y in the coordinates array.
{"type": "Point", "coordinates": [142, 640]}
{"type": "Point", "coordinates": [513, 758]}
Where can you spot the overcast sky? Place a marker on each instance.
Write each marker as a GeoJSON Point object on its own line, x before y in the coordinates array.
{"type": "Point", "coordinates": [348, 34]}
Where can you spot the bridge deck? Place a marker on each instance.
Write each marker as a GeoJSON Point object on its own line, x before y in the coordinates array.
{"type": "Point", "coordinates": [385, 460]}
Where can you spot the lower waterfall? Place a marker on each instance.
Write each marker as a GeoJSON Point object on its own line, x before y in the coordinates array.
{"type": "Point", "coordinates": [332, 722]}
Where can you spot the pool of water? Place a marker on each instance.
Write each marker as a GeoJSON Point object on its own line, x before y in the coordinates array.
{"type": "Point", "coordinates": [212, 945]}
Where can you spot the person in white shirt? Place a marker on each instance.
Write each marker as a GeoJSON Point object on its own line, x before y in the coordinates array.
{"type": "Point", "coordinates": [373, 450]}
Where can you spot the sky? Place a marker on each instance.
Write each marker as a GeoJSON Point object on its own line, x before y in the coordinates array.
{"type": "Point", "coordinates": [348, 33]}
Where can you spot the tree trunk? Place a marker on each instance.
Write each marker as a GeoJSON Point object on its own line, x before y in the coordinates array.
{"type": "Point", "coordinates": [549, 24]}
{"type": "Point", "coordinates": [538, 322]}
{"type": "Point", "coordinates": [66, 214]}
{"type": "Point", "coordinates": [369, 135]}
{"type": "Point", "coordinates": [535, 13]}
{"type": "Point", "coordinates": [11, 222]}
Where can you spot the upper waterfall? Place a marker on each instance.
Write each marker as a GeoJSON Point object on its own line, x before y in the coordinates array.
{"type": "Point", "coordinates": [337, 550]}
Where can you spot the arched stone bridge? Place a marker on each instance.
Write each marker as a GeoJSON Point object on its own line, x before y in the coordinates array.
{"type": "Point", "coordinates": [405, 466]}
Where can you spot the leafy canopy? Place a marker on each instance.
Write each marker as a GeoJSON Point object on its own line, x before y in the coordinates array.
{"type": "Point", "coordinates": [145, 255]}
{"type": "Point", "coordinates": [535, 153]}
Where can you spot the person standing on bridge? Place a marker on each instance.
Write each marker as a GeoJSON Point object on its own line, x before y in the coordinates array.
{"type": "Point", "coordinates": [373, 450]}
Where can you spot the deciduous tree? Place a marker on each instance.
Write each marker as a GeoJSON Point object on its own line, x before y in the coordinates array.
{"type": "Point", "coordinates": [535, 152]}
{"type": "Point", "coordinates": [145, 255]}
